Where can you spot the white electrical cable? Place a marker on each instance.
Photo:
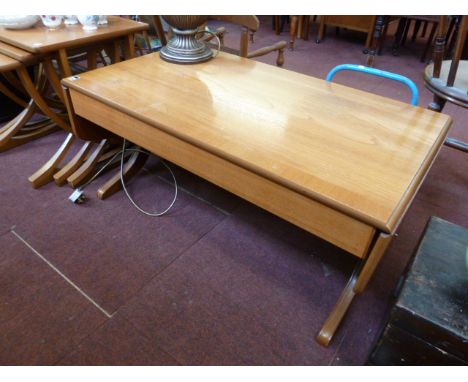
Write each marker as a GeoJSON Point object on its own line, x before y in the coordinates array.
{"type": "Point", "coordinates": [128, 195]}
{"type": "Point", "coordinates": [122, 153]}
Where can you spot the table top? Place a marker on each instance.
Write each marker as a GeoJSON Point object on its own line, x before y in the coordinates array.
{"type": "Point", "coordinates": [16, 53]}
{"type": "Point", "coordinates": [39, 39]}
{"type": "Point", "coordinates": [7, 63]}
{"type": "Point", "coordinates": [359, 153]}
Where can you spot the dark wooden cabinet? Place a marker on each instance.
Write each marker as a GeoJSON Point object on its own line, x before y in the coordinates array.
{"type": "Point", "coordinates": [428, 325]}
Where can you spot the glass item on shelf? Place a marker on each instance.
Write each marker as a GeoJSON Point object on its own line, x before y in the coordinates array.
{"type": "Point", "coordinates": [89, 22]}
{"type": "Point", "coordinates": [18, 21]}
{"type": "Point", "coordinates": [52, 21]}
{"type": "Point", "coordinates": [71, 20]}
{"type": "Point", "coordinates": [102, 20]}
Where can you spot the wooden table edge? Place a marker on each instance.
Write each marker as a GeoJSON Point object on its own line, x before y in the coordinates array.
{"type": "Point", "coordinates": [81, 41]}
{"type": "Point", "coordinates": [388, 226]}
{"type": "Point", "coordinates": [417, 181]}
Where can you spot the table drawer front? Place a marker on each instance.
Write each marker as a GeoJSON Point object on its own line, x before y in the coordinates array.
{"type": "Point", "coordinates": [335, 227]}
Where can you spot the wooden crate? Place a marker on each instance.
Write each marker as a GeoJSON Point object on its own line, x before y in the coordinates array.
{"type": "Point", "coordinates": [428, 325]}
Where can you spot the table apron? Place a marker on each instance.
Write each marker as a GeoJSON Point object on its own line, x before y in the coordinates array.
{"type": "Point", "coordinates": [341, 230]}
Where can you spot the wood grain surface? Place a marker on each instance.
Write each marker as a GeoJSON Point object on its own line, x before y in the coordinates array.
{"type": "Point", "coordinates": [356, 152]}
{"type": "Point", "coordinates": [8, 64]}
{"type": "Point", "coordinates": [39, 39]}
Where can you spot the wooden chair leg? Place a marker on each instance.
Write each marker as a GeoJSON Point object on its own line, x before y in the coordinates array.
{"type": "Point", "coordinates": [321, 30]}
{"type": "Point", "coordinates": [306, 28]}
{"type": "Point", "coordinates": [132, 167]}
{"type": "Point", "coordinates": [429, 43]}
{"type": "Point", "coordinates": [277, 24]}
{"type": "Point", "coordinates": [437, 103]}
{"type": "Point", "coordinates": [356, 284]}
{"type": "Point", "coordinates": [45, 174]}
{"type": "Point", "coordinates": [292, 32]}
{"type": "Point", "coordinates": [378, 29]}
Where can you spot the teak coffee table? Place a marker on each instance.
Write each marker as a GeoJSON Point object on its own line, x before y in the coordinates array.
{"type": "Point", "coordinates": [341, 163]}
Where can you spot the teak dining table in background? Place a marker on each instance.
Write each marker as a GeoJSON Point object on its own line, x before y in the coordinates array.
{"type": "Point", "coordinates": [47, 46]}
{"type": "Point", "coordinates": [341, 163]}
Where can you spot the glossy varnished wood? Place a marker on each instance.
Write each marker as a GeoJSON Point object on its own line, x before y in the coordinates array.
{"type": "Point", "coordinates": [357, 153]}
{"type": "Point", "coordinates": [8, 64]}
{"type": "Point", "coordinates": [18, 54]}
{"type": "Point", "coordinates": [340, 163]}
{"type": "Point", "coordinates": [41, 40]}
{"type": "Point", "coordinates": [341, 230]}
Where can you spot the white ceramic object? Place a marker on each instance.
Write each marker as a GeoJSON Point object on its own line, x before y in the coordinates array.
{"type": "Point", "coordinates": [102, 20]}
{"type": "Point", "coordinates": [70, 20]}
{"type": "Point", "coordinates": [52, 21]}
{"type": "Point", "coordinates": [89, 22]}
{"type": "Point", "coordinates": [18, 21]}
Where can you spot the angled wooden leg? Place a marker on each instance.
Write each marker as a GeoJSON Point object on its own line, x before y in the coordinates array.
{"type": "Point", "coordinates": [134, 164]}
{"type": "Point", "coordinates": [355, 285]}
{"type": "Point", "coordinates": [34, 93]}
{"type": "Point", "coordinates": [12, 127]}
{"type": "Point", "coordinates": [45, 173]}
{"type": "Point", "coordinates": [14, 81]}
{"type": "Point", "coordinates": [53, 78]}
{"type": "Point", "coordinates": [30, 134]}
{"type": "Point", "coordinates": [61, 176]}
{"type": "Point", "coordinates": [12, 96]}
{"type": "Point", "coordinates": [86, 169]}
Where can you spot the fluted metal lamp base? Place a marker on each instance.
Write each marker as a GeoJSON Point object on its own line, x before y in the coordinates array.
{"type": "Point", "coordinates": [184, 48]}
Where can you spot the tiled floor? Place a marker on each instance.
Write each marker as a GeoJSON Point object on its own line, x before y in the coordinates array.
{"type": "Point", "coordinates": [217, 280]}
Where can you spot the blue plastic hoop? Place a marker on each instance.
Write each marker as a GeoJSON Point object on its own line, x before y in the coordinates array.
{"type": "Point", "coordinates": [380, 73]}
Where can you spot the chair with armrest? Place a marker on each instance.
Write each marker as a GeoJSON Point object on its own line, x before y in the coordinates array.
{"type": "Point", "coordinates": [249, 24]}
{"type": "Point", "coordinates": [448, 79]}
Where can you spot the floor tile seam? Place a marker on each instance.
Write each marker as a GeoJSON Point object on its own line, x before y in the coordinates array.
{"type": "Point", "coordinates": [338, 348]}
{"type": "Point", "coordinates": [239, 307]}
{"type": "Point", "coordinates": [79, 343]}
{"type": "Point", "coordinates": [144, 335]}
{"type": "Point", "coordinates": [157, 274]}
{"type": "Point", "coordinates": [60, 273]}
{"type": "Point", "coordinates": [308, 252]}
{"type": "Point", "coordinates": [6, 232]}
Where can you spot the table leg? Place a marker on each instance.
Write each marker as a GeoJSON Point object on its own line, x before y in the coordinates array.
{"type": "Point", "coordinates": [14, 81]}
{"type": "Point", "coordinates": [12, 127]}
{"type": "Point", "coordinates": [84, 172]}
{"type": "Point", "coordinates": [133, 165]}
{"type": "Point", "coordinates": [45, 174]}
{"type": "Point", "coordinates": [7, 92]}
{"type": "Point", "coordinates": [61, 176]}
{"type": "Point", "coordinates": [37, 97]}
{"type": "Point", "coordinates": [356, 284]}
{"type": "Point", "coordinates": [22, 121]}
{"type": "Point", "coordinates": [53, 78]}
